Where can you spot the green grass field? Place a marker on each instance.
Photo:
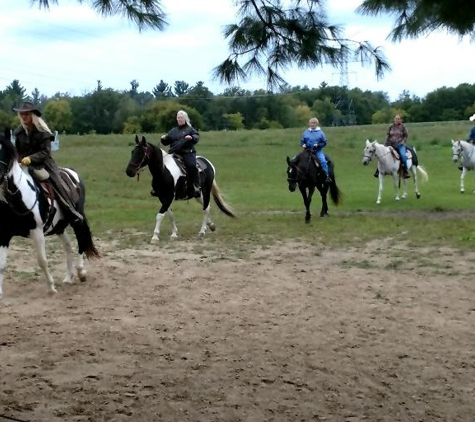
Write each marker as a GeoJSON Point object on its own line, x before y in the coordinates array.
{"type": "Point", "coordinates": [251, 173]}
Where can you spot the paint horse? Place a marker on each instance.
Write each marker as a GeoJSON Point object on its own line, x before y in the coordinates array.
{"type": "Point", "coordinates": [464, 150]}
{"type": "Point", "coordinates": [27, 209]}
{"type": "Point", "coordinates": [390, 164]}
{"type": "Point", "coordinates": [303, 171]}
{"type": "Point", "coordinates": [169, 184]}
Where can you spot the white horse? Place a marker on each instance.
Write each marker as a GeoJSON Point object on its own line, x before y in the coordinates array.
{"type": "Point", "coordinates": [464, 150]}
{"type": "Point", "coordinates": [389, 164]}
{"type": "Point", "coordinates": [26, 211]}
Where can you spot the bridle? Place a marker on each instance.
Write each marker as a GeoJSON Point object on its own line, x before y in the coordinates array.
{"type": "Point", "coordinates": [147, 152]}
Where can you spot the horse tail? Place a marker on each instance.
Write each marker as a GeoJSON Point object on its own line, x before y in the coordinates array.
{"type": "Point", "coordinates": [225, 208]}
{"type": "Point", "coordinates": [335, 193]}
{"type": "Point", "coordinates": [425, 176]}
{"type": "Point", "coordinates": [84, 238]}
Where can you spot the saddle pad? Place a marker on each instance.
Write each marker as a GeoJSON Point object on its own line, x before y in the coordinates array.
{"type": "Point", "coordinates": [69, 184]}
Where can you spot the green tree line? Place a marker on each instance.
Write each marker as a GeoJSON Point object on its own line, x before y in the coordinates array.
{"type": "Point", "coordinates": [106, 111]}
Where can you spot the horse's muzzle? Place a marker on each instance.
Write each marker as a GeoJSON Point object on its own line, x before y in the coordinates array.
{"type": "Point", "coordinates": [131, 171]}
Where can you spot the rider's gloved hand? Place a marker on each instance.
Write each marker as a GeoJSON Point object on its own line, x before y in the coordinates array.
{"type": "Point", "coordinates": [26, 161]}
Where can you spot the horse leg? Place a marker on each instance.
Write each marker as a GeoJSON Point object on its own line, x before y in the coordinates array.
{"type": "Point", "coordinates": [323, 194]}
{"type": "Point", "coordinates": [462, 179]}
{"type": "Point", "coordinates": [39, 242]}
{"type": "Point", "coordinates": [68, 250]}
{"type": "Point", "coordinates": [381, 185]}
{"type": "Point", "coordinates": [3, 262]}
{"type": "Point", "coordinates": [396, 183]}
{"type": "Point", "coordinates": [206, 222]}
{"type": "Point", "coordinates": [205, 202]}
{"type": "Point", "coordinates": [307, 200]}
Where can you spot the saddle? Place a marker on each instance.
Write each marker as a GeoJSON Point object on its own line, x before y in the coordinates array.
{"type": "Point", "coordinates": [182, 191]}
{"type": "Point", "coordinates": [68, 185]}
{"type": "Point", "coordinates": [200, 163]}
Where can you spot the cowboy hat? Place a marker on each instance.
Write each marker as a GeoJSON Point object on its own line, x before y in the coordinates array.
{"type": "Point", "coordinates": [28, 107]}
{"type": "Point", "coordinates": [472, 117]}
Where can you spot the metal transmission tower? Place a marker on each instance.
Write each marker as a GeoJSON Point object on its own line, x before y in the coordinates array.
{"type": "Point", "coordinates": [344, 111]}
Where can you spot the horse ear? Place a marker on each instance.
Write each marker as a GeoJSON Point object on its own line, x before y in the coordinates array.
{"type": "Point", "coordinates": [288, 160]}
{"type": "Point", "coordinates": [137, 139]}
{"type": "Point", "coordinates": [143, 141]}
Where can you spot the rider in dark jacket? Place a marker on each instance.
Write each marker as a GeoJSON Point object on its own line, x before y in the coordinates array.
{"type": "Point", "coordinates": [33, 143]}
{"type": "Point", "coordinates": [182, 140]}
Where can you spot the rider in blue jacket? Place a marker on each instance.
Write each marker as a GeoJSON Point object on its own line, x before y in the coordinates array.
{"type": "Point", "coordinates": [314, 140]}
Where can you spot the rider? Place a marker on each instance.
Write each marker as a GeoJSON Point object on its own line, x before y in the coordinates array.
{"type": "Point", "coordinates": [471, 135]}
{"type": "Point", "coordinates": [397, 137]}
{"type": "Point", "coordinates": [183, 139]}
{"type": "Point", "coordinates": [314, 140]}
{"type": "Point", "coordinates": [33, 143]}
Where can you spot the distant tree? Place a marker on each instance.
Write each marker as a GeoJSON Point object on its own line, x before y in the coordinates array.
{"type": "Point", "coordinates": [234, 121]}
{"type": "Point", "coordinates": [180, 88]}
{"type": "Point", "coordinates": [58, 115]}
{"type": "Point", "coordinates": [162, 90]}
{"type": "Point", "coordinates": [134, 86]}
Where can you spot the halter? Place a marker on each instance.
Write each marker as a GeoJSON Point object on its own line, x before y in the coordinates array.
{"type": "Point", "coordinates": [146, 155]}
{"type": "Point", "coordinates": [461, 150]}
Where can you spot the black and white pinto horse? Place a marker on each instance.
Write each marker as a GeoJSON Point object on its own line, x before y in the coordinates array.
{"type": "Point", "coordinates": [302, 171]}
{"type": "Point", "coordinates": [26, 211]}
{"type": "Point", "coordinates": [168, 182]}
{"type": "Point", "coordinates": [390, 164]}
{"type": "Point", "coordinates": [466, 152]}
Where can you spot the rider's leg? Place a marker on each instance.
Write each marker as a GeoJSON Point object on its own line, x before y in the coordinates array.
{"type": "Point", "coordinates": [65, 199]}
{"type": "Point", "coordinates": [402, 153]}
{"type": "Point", "coordinates": [323, 162]}
{"type": "Point", "coordinates": [192, 174]}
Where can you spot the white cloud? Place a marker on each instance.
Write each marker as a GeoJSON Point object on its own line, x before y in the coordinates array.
{"type": "Point", "coordinates": [70, 47]}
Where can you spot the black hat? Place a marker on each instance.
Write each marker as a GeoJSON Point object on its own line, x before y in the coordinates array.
{"type": "Point", "coordinates": [27, 106]}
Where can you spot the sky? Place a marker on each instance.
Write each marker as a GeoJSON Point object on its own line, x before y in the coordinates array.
{"type": "Point", "coordinates": [69, 47]}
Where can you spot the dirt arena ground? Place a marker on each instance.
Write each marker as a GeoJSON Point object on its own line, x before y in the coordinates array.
{"type": "Point", "coordinates": [281, 333]}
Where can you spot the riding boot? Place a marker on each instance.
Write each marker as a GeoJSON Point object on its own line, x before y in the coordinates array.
{"type": "Point", "coordinates": [67, 206]}
{"type": "Point", "coordinates": [405, 173]}
{"type": "Point", "coordinates": [376, 173]}
{"type": "Point", "coordinates": [328, 180]}
{"type": "Point", "coordinates": [460, 167]}
{"type": "Point", "coordinates": [196, 183]}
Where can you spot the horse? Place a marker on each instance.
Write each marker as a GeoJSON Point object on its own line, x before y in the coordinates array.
{"type": "Point", "coordinates": [464, 150]}
{"type": "Point", "coordinates": [302, 170]}
{"type": "Point", "coordinates": [389, 164]}
{"type": "Point", "coordinates": [27, 209]}
{"type": "Point", "coordinates": [169, 184]}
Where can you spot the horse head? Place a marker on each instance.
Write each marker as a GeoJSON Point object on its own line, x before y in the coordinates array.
{"type": "Point", "coordinates": [7, 153]}
{"type": "Point", "coordinates": [457, 150]}
{"type": "Point", "coordinates": [140, 156]}
{"type": "Point", "coordinates": [368, 152]}
{"type": "Point", "coordinates": [292, 173]}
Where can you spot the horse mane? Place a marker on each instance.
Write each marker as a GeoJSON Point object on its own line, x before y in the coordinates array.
{"type": "Point", "coordinates": [7, 143]}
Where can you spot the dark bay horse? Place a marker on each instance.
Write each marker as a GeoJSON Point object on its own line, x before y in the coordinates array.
{"type": "Point", "coordinates": [303, 171]}
{"type": "Point", "coordinates": [168, 182]}
{"type": "Point", "coordinates": [25, 210]}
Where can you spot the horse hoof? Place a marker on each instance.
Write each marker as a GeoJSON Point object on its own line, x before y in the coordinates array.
{"type": "Point", "coordinates": [462, 191]}
{"type": "Point", "coordinates": [212, 226]}
{"type": "Point", "coordinates": [67, 280]}
{"type": "Point", "coordinates": [52, 291]}
{"type": "Point", "coordinates": [154, 240]}
{"type": "Point", "coordinates": [378, 202]}
{"type": "Point", "coordinates": [418, 195]}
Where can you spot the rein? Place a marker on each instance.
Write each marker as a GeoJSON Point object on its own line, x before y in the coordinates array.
{"type": "Point", "coordinates": [140, 167]}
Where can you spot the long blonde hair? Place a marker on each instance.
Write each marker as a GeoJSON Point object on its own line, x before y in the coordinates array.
{"type": "Point", "coordinates": [38, 122]}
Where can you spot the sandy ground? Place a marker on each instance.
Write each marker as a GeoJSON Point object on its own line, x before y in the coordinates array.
{"type": "Point", "coordinates": [282, 333]}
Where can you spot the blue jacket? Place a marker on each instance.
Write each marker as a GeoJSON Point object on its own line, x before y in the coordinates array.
{"type": "Point", "coordinates": [313, 140]}
{"type": "Point", "coordinates": [471, 135]}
